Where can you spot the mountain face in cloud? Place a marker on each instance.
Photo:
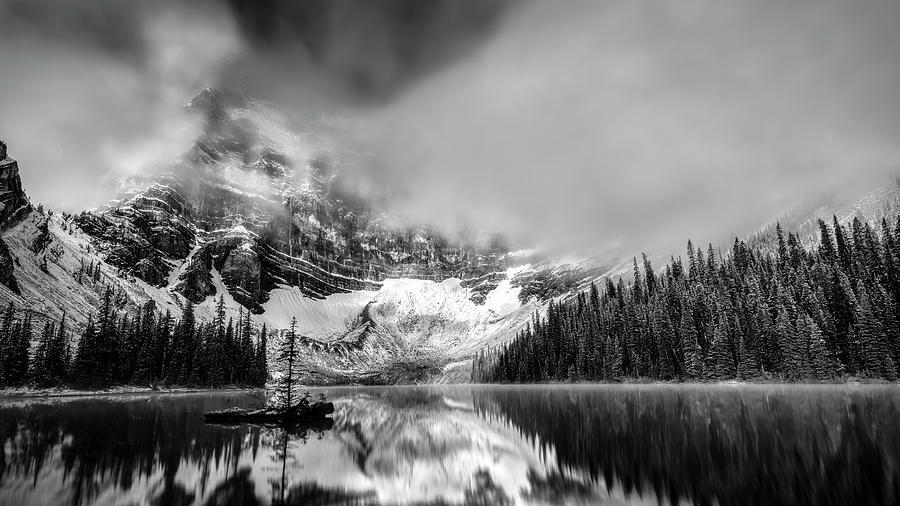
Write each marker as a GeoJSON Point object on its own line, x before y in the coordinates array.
{"type": "Point", "coordinates": [91, 91]}
{"type": "Point", "coordinates": [616, 123]}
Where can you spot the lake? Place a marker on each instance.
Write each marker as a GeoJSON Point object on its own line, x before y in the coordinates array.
{"type": "Point", "coordinates": [488, 445]}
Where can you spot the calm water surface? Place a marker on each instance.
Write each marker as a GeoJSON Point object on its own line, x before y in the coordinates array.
{"type": "Point", "coordinates": [465, 445]}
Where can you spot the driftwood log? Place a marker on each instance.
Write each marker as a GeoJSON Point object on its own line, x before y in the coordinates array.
{"type": "Point", "coordinates": [298, 413]}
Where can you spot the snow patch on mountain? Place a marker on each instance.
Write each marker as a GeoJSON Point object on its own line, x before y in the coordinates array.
{"type": "Point", "coordinates": [324, 319]}
{"type": "Point", "coordinates": [407, 323]}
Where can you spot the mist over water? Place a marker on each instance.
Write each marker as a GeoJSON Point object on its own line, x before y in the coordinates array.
{"type": "Point", "coordinates": [585, 124]}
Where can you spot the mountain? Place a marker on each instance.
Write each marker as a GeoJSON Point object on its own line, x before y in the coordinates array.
{"type": "Point", "coordinates": [271, 220]}
{"type": "Point", "coordinates": [269, 214]}
{"type": "Point", "coordinates": [13, 203]}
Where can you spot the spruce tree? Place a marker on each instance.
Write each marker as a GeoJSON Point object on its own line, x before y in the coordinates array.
{"type": "Point", "coordinates": [21, 351]}
{"type": "Point", "coordinates": [39, 372]}
{"type": "Point", "coordinates": [877, 361]}
{"type": "Point", "coordinates": [748, 366]}
{"type": "Point", "coordinates": [821, 363]}
{"type": "Point", "coordinates": [788, 344]}
{"type": "Point", "coordinates": [216, 347]}
{"type": "Point", "coordinates": [261, 369]}
{"type": "Point", "coordinates": [6, 326]}
{"type": "Point", "coordinates": [722, 365]}
{"type": "Point", "coordinates": [57, 361]}
{"type": "Point", "coordinates": [287, 358]}
{"type": "Point", "coordinates": [86, 358]}
{"type": "Point", "coordinates": [693, 355]}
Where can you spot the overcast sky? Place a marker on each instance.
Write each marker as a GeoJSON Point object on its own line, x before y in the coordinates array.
{"type": "Point", "coordinates": [569, 123]}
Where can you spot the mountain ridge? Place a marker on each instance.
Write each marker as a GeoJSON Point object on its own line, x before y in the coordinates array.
{"type": "Point", "coordinates": [258, 215]}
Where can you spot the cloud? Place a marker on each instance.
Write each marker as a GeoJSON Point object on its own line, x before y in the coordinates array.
{"type": "Point", "coordinates": [637, 122]}
{"type": "Point", "coordinates": [93, 91]}
{"type": "Point", "coordinates": [575, 124]}
{"type": "Point", "coordinates": [369, 50]}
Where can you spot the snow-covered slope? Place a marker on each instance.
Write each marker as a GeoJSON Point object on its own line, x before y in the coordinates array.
{"type": "Point", "coordinates": [409, 330]}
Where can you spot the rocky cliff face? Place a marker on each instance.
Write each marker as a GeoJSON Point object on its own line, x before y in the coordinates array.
{"type": "Point", "coordinates": [13, 201]}
{"type": "Point", "coordinates": [13, 204]}
{"type": "Point", "coordinates": [7, 267]}
{"type": "Point", "coordinates": [264, 206]}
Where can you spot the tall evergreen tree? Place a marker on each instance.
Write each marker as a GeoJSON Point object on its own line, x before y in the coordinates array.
{"type": "Point", "coordinates": [287, 358]}
{"type": "Point", "coordinates": [261, 363]}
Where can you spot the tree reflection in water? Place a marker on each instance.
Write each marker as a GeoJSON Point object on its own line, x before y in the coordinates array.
{"type": "Point", "coordinates": [716, 445]}
{"type": "Point", "coordinates": [465, 445]}
{"type": "Point", "coordinates": [147, 450]}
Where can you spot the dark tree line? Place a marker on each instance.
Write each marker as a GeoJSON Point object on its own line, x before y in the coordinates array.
{"type": "Point", "coordinates": [145, 348]}
{"type": "Point", "coordinates": [774, 310]}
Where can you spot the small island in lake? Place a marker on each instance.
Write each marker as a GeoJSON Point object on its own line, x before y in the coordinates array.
{"type": "Point", "coordinates": [281, 407]}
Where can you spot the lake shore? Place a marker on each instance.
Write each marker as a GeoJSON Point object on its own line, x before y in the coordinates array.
{"type": "Point", "coordinates": [55, 392]}
{"type": "Point", "coordinates": [27, 392]}
{"type": "Point", "coordinates": [849, 380]}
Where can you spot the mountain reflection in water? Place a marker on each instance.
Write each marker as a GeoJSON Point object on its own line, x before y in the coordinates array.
{"type": "Point", "coordinates": [465, 445]}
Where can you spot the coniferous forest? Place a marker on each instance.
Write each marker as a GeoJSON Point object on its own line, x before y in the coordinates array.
{"type": "Point", "coordinates": [772, 310]}
{"type": "Point", "coordinates": [145, 348]}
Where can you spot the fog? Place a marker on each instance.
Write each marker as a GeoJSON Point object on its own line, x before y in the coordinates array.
{"type": "Point", "coordinates": [91, 91]}
{"type": "Point", "coordinates": [571, 124]}
{"type": "Point", "coordinates": [638, 122]}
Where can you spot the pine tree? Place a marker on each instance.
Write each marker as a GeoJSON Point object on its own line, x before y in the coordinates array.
{"type": "Point", "coordinates": [177, 363]}
{"type": "Point", "coordinates": [782, 247]}
{"type": "Point", "coordinates": [187, 339]}
{"type": "Point", "coordinates": [143, 368]}
{"type": "Point", "coordinates": [261, 369]}
{"type": "Point", "coordinates": [649, 276]}
{"type": "Point", "coordinates": [106, 340]}
{"type": "Point", "coordinates": [692, 262]}
{"type": "Point", "coordinates": [821, 365]}
{"type": "Point", "coordinates": [228, 353]}
{"type": "Point", "coordinates": [287, 358]}
{"type": "Point", "coordinates": [843, 248]}
{"type": "Point", "coordinates": [748, 366]}
{"type": "Point", "coordinates": [39, 372]}
{"type": "Point", "coordinates": [877, 361]}
{"type": "Point", "coordinates": [693, 358]}
{"type": "Point", "coordinates": [86, 358]}
{"type": "Point", "coordinates": [200, 355]}
{"type": "Point", "coordinates": [216, 347]}
{"type": "Point", "coordinates": [788, 343]}
{"type": "Point", "coordinates": [826, 247]}
{"type": "Point", "coordinates": [57, 361]}
{"type": "Point", "coordinates": [21, 348]}
{"type": "Point", "coordinates": [6, 327]}
{"type": "Point", "coordinates": [161, 346]}
{"type": "Point", "coordinates": [246, 353]}
{"type": "Point", "coordinates": [722, 365]}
